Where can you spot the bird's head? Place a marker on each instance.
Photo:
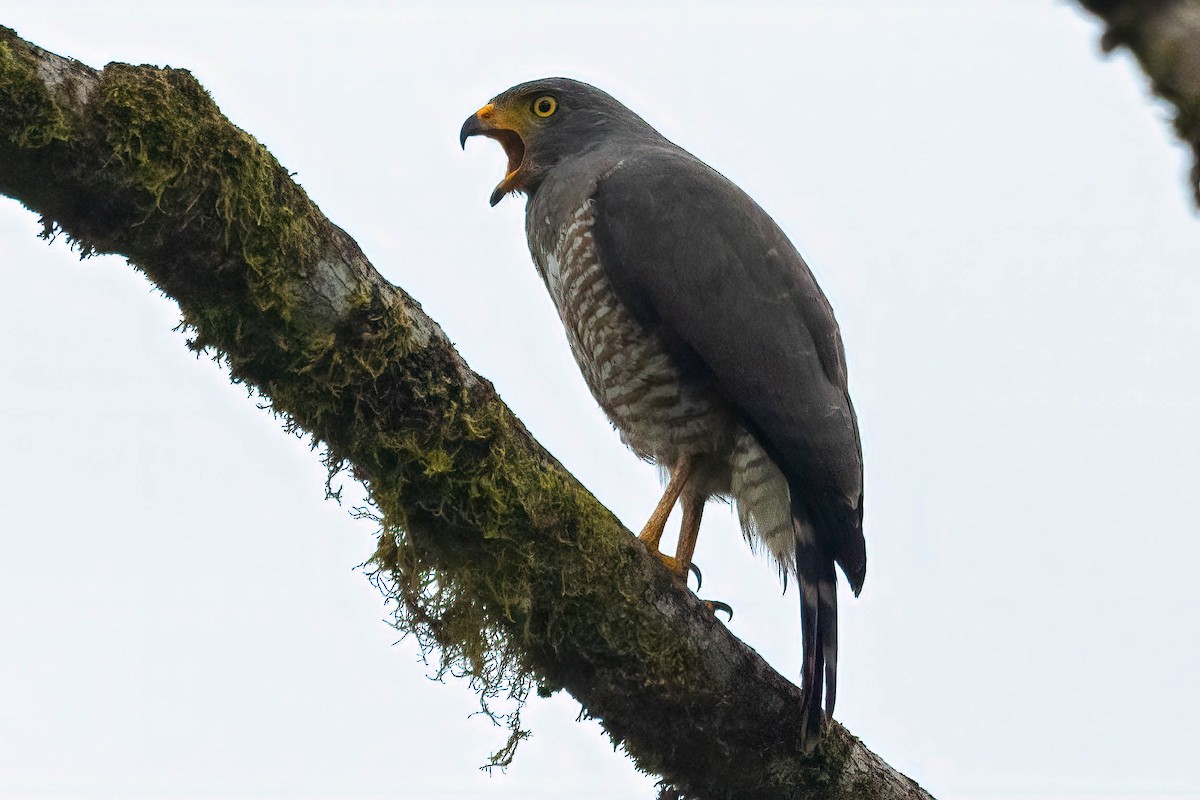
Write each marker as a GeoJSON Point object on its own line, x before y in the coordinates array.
{"type": "Point", "coordinates": [542, 123]}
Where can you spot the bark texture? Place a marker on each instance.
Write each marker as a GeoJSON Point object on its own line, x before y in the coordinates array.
{"type": "Point", "coordinates": [491, 550]}
{"type": "Point", "coordinates": [1164, 35]}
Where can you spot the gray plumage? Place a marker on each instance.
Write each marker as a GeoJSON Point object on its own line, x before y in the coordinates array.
{"type": "Point", "coordinates": [702, 333]}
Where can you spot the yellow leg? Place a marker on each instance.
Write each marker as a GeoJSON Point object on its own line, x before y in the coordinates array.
{"type": "Point", "coordinates": [689, 532]}
{"type": "Point", "coordinates": [652, 533]}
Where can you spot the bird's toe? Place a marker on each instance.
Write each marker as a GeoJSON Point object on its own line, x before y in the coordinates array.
{"type": "Point", "coordinates": [716, 605]}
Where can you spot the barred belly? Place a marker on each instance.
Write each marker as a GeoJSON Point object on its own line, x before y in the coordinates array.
{"type": "Point", "coordinates": [629, 371]}
{"type": "Point", "coordinates": [659, 414]}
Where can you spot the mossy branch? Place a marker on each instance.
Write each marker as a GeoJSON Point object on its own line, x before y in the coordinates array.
{"type": "Point", "coordinates": [496, 558]}
{"type": "Point", "coordinates": [1164, 35]}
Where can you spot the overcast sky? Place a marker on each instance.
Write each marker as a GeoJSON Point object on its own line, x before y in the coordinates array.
{"type": "Point", "coordinates": [1000, 218]}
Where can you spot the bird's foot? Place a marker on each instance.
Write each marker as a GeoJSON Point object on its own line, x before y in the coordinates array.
{"type": "Point", "coordinates": [677, 571]}
{"type": "Point", "coordinates": [716, 605]}
{"type": "Point", "coordinates": [675, 567]}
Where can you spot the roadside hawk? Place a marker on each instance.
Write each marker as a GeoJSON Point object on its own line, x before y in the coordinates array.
{"type": "Point", "coordinates": [702, 334]}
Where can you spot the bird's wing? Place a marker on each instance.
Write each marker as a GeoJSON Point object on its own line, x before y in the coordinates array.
{"type": "Point", "coordinates": [699, 261]}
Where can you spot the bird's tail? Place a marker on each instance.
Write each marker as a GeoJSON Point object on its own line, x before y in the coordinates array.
{"type": "Point", "coordinates": [818, 625]}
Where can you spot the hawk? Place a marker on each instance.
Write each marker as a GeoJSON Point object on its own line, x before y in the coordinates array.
{"type": "Point", "coordinates": [703, 336]}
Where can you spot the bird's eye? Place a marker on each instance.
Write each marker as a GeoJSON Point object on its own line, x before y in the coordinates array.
{"type": "Point", "coordinates": [545, 105]}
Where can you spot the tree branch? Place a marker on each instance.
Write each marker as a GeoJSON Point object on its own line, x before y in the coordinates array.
{"type": "Point", "coordinates": [491, 550]}
{"type": "Point", "coordinates": [1165, 37]}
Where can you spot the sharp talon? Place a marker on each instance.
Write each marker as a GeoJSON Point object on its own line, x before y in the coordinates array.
{"type": "Point", "coordinates": [692, 568]}
{"type": "Point", "coordinates": [716, 605]}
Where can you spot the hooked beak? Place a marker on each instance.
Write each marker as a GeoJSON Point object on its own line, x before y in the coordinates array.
{"type": "Point", "coordinates": [490, 123]}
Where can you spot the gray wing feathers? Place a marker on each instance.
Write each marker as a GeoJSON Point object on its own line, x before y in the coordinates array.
{"type": "Point", "coordinates": [738, 306]}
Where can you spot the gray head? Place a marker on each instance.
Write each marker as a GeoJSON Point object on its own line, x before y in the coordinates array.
{"type": "Point", "coordinates": [542, 123]}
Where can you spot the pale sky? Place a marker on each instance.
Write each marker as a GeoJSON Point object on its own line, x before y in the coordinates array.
{"type": "Point", "coordinates": [1000, 218]}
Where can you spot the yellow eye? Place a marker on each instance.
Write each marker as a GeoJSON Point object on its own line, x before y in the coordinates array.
{"type": "Point", "coordinates": [545, 105]}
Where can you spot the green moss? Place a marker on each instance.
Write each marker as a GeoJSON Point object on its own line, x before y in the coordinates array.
{"type": "Point", "coordinates": [27, 113]}
{"type": "Point", "coordinates": [435, 454]}
{"type": "Point", "coordinates": [432, 454]}
{"type": "Point", "coordinates": [169, 141]}
{"type": "Point", "coordinates": [529, 586]}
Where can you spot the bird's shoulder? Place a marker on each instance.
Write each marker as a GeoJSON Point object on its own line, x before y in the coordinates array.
{"type": "Point", "coordinates": [565, 192]}
{"type": "Point", "coordinates": [672, 230]}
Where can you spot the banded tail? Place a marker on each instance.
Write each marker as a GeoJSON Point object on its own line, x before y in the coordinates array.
{"type": "Point", "coordinates": [818, 616]}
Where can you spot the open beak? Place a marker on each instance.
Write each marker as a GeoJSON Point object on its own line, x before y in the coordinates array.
{"type": "Point", "coordinates": [488, 122]}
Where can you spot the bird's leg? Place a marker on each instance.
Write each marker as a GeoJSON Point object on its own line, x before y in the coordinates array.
{"type": "Point", "coordinates": [689, 533]}
{"type": "Point", "coordinates": [652, 533]}
{"type": "Point", "coordinates": [689, 529]}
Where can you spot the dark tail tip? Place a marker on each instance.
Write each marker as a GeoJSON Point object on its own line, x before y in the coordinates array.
{"type": "Point", "coordinates": [812, 673]}
{"type": "Point", "coordinates": [817, 578]}
{"type": "Point", "coordinates": [812, 726]}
